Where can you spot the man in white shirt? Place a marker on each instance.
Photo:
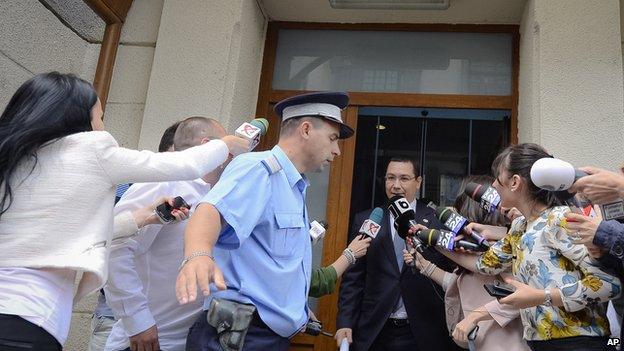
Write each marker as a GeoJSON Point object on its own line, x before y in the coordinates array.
{"type": "Point", "coordinates": [143, 270]}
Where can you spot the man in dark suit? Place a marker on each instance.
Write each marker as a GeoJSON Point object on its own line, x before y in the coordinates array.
{"type": "Point", "coordinates": [382, 304]}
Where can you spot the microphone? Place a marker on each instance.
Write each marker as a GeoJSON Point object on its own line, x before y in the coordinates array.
{"type": "Point", "coordinates": [557, 175]}
{"type": "Point", "coordinates": [252, 131]}
{"type": "Point", "coordinates": [317, 231]}
{"type": "Point", "coordinates": [404, 220]}
{"type": "Point", "coordinates": [554, 175]}
{"type": "Point", "coordinates": [456, 223]}
{"type": "Point", "coordinates": [371, 226]}
{"type": "Point", "coordinates": [487, 196]}
{"type": "Point", "coordinates": [445, 239]}
{"type": "Point", "coordinates": [344, 345]}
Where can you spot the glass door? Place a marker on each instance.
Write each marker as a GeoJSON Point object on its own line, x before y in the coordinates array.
{"type": "Point", "coordinates": [449, 144]}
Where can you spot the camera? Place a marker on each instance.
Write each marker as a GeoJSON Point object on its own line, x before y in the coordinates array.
{"type": "Point", "coordinates": [163, 211]}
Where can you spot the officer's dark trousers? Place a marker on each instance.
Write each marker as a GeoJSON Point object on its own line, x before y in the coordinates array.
{"type": "Point", "coordinates": [203, 337]}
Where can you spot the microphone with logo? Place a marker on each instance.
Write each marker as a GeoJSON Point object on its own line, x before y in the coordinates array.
{"type": "Point", "coordinates": [486, 196]}
{"type": "Point", "coordinates": [252, 131]}
{"type": "Point", "coordinates": [457, 223]}
{"type": "Point", "coordinates": [404, 220]}
{"type": "Point", "coordinates": [558, 176]}
{"type": "Point", "coordinates": [445, 239]}
{"type": "Point", "coordinates": [371, 226]}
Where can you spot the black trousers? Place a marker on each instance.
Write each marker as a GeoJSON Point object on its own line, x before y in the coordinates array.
{"type": "Point", "coordinates": [203, 337]}
{"type": "Point", "coordinates": [393, 337]}
{"type": "Point", "coordinates": [18, 334]}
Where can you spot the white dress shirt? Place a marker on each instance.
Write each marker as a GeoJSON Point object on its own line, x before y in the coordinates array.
{"type": "Point", "coordinates": [143, 271]}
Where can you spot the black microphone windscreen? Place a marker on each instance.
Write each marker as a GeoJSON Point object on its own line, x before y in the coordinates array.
{"type": "Point", "coordinates": [474, 191]}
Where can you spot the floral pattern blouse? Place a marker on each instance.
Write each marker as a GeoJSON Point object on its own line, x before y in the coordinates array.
{"type": "Point", "coordinates": [541, 254]}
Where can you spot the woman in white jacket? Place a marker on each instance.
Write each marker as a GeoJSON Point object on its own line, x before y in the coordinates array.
{"type": "Point", "coordinates": [58, 173]}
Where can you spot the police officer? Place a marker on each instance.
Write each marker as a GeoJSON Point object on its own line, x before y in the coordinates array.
{"type": "Point", "coordinates": [249, 235]}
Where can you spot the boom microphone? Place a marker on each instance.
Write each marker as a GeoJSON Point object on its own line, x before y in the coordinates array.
{"type": "Point", "coordinates": [457, 223]}
{"type": "Point", "coordinates": [371, 226]}
{"type": "Point", "coordinates": [252, 131]}
{"type": "Point", "coordinates": [445, 239]}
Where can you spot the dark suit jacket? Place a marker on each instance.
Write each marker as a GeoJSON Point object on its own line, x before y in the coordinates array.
{"type": "Point", "coordinates": [370, 289]}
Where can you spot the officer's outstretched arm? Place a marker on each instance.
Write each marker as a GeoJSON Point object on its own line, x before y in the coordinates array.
{"type": "Point", "coordinates": [198, 268]}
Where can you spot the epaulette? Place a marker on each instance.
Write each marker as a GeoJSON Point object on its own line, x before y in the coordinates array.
{"type": "Point", "coordinates": [272, 164]}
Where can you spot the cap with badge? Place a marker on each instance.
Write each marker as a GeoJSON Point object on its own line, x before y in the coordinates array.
{"type": "Point", "coordinates": [326, 105]}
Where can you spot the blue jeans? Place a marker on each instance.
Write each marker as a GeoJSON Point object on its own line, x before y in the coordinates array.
{"type": "Point", "coordinates": [203, 337]}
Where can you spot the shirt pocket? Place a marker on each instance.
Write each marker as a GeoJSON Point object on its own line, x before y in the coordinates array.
{"type": "Point", "coordinates": [287, 238]}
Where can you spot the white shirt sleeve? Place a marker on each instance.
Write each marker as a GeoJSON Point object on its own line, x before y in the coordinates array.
{"type": "Point", "coordinates": [124, 225]}
{"type": "Point", "coordinates": [124, 289]}
{"type": "Point", "coordinates": [131, 166]}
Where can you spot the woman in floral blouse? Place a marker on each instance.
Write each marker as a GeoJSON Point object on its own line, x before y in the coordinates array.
{"type": "Point", "coordinates": [558, 286]}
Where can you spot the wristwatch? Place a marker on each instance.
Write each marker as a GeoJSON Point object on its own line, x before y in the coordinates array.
{"type": "Point", "coordinates": [548, 298]}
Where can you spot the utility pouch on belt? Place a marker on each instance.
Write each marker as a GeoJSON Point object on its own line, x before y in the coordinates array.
{"type": "Point", "coordinates": [231, 320]}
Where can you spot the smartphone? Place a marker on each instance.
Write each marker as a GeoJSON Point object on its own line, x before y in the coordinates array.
{"type": "Point", "coordinates": [499, 289]}
{"type": "Point", "coordinates": [164, 210]}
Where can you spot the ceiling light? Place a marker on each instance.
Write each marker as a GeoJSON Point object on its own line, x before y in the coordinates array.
{"type": "Point", "coordinates": [380, 127]}
{"type": "Point", "coordinates": [391, 4]}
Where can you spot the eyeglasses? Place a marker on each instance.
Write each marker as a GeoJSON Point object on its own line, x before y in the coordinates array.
{"type": "Point", "coordinates": [402, 179]}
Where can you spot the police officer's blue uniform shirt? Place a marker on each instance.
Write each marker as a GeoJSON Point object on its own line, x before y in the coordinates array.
{"type": "Point", "coordinates": [264, 250]}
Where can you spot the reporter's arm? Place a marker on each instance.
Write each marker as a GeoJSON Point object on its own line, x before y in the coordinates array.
{"type": "Point", "coordinates": [600, 186]}
{"type": "Point", "coordinates": [610, 235]}
{"type": "Point", "coordinates": [431, 270]}
{"type": "Point", "coordinates": [132, 166]}
{"type": "Point", "coordinates": [467, 261]}
{"type": "Point", "coordinates": [502, 314]}
{"type": "Point", "coordinates": [324, 279]}
{"type": "Point", "coordinates": [466, 325]}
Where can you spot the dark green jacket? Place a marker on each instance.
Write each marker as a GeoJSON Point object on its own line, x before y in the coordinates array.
{"type": "Point", "coordinates": [323, 281]}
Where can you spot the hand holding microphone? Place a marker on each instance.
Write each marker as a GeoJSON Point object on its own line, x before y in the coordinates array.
{"type": "Point", "coordinates": [405, 220]}
{"type": "Point", "coordinates": [344, 336]}
{"type": "Point", "coordinates": [600, 186]}
{"type": "Point", "coordinates": [359, 245]}
{"type": "Point", "coordinates": [445, 239]}
{"type": "Point", "coordinates": [370, 228]}
{"type": "Point", "coordinates": [246, 137]}
{"type": "Point", "coordinates": [457, 223]}
{"type": "Point", "coordinates": [252, 131]}
{"type": "Point", "coordinates": [405, 223]}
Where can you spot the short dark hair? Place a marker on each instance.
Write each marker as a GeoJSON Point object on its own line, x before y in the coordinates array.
{"type": "Point", "coordinates": [290, 125]}
{"type": "Point", "coordinates": [192, 129]}
{"type": "Point", "coordinates": [166, 141]}
{"type": "Point", "coordinates": [406, 158]}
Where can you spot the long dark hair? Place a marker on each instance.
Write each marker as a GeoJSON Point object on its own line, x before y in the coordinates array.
{"type": "Point", "coordinates": [518, 159]}
{"type": "Point", "coordinates": [46, 107]}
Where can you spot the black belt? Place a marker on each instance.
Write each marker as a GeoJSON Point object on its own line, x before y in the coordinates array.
{"type": "Point", "coordinates": [397, 323]}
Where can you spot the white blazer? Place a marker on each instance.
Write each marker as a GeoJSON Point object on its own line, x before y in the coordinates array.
{"type": "Point", "coordinates": [62, 211]}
